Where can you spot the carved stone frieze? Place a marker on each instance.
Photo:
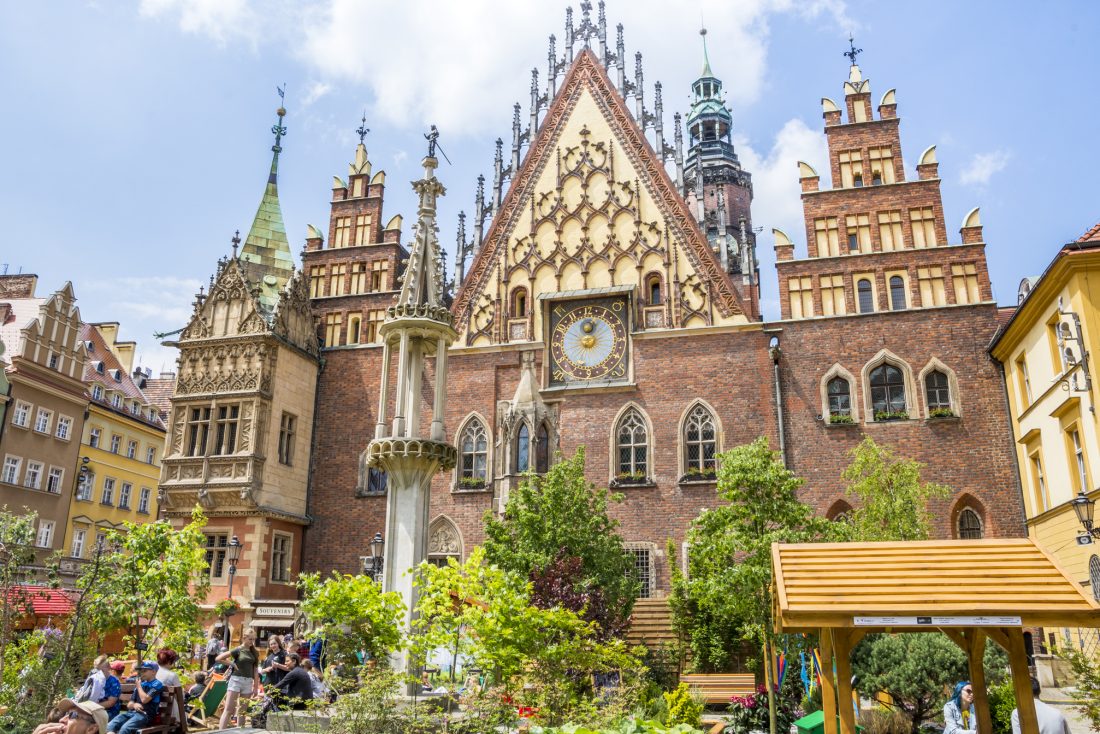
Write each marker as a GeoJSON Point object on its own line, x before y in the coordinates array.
{"type": "Point", "coordinates": [444, 540]}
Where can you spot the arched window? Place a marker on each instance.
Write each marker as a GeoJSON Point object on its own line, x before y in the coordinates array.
{"type": "Point", "coordinates": [475, 454]}
{"type": "Point", "coordinates": [887, 392]}
{"type": "Point", "coordinates": [653, 287]}
{"type": "Point", "coordinates": [866, 297]}
{"type": "Point", "coordinates": [840, 397]}
{"type": "Point", "coordinates": [523, 449]}
{"type": "Point", "coordinates": [633, 446]}
{"type": "Point", "coordinates": [841, 511]}
{"type": "Point", "coordinates": [353, 329]}
{"type": "Point", "coordinates": [1094, 575]}
{"type": "Point", "coordinates": [937, 391]}
{"type": "Point", "coordinates": [970, 525]}
{"type": "Point", "coordinates": [519, 303]}
{"type": "Point", "coordinates": [376, 480]}
{"type": "Point", "coordinates": [700, 441]}
{"type": "Point", "coordinates": [542, 449]}
{"type": "Point", "coordinates": [897, 293]}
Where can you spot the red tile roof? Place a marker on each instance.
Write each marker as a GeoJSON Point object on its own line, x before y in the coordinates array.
{"type": "Point", "coordinates": [1093, 235]}
{"type": "Point", "coordinates": [43, 602]}
{"type": "Point", "coordinates": [100, 356]}
{"type": "Point", "coordinates": [159, 391]}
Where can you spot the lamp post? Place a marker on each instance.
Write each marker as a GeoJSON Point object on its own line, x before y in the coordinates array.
{"type": "Point", "coordinates": [232, 554]}
{"type": "Point", "coordinates": [1085, 510]}
{"type": "Point", "coordinates": [372, 565]}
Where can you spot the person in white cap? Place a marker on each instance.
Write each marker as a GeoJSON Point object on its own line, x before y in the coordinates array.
{"type": "Point", "coordinates": [79, 718]}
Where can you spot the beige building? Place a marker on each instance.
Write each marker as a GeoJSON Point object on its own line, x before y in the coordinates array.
{"type": "Point", "coordinates": [40, 435]}
{"type": "Point", "coordinates": [1045, 348]}
{"type": "Point", "coordinates": [122, 443]}
{"type": "Point", "coordinates": [241, 420]}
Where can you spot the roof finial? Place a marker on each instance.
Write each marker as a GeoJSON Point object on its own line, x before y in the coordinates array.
{"type": "Point", "coordinates": [236, 241]}
{"type": "Point", "coordinates": [362, 130]}
{"type": "Point", "coordinates": [706, 56]}
{"type": "Point", "coordinates": [279, 131]}
{"type": "Point", "coordinates": [853, 52]}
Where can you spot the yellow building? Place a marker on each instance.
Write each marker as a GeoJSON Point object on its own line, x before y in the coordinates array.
{"type": "Point", "coordinates": [121, 447]}
{"type": "Point", "coordinates": [1045, 349]}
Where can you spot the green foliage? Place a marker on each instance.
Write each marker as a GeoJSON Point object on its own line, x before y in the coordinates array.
{"type": "Point", "coordinates": [376, 707]}
{"type": "Point", "coordinates": [916, 669]}
{"type": "Point", "coordinates": [750, 713]}
{"type": "Point", "coordinates": [150, 571]}
{"type": "Point", "coordinates": [352, 613]}
{"type": "Point", "coordinates": [891, 415]}
{"type": "Point", "coordinates": [841, 419]}
{"type": "Point", "coordinates": [1002, 701]}
{"type": "Point", "coordinates": [682, 707]}
{"type": "Point", "coordinates": [546, 657]}
{"type": "Point", "coordinates": [1086, 670]}
{"type": "Point", "coordinates": [884, 720]}
{"type": "Point", "coordinates": [893, 499]}
{"type": "Point", "coordinates": [728, 589]}
{"type": "Point", "coordinates": [626, 726]}
{"type": "Point", "coordinates": [941, 413]}
{"type": "Point", "coordinates": [16, 555]}
{"type": "Point", "coordinates": [558, 513]}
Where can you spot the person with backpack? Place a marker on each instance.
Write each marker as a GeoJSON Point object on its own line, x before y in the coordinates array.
{"type": "Point", "coordinates": [214, 647]}
{"type": "Point", "coordinates": [92, 689]}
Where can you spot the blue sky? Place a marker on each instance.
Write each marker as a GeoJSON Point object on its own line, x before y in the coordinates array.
{"type": "Point", "coordinates": [137, 131]}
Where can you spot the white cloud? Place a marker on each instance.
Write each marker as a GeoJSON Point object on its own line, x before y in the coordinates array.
{"type": "Point", "coordinates": [461, 64]}
{"type": "Point", "coordinates": [982, 167]}
{"type": "Point", "coordinates": [315, 91]}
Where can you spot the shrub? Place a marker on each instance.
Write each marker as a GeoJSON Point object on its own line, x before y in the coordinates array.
{"type": "Point", "coordinates": [1002, 700]}
{"type": "Point", "coordinates": [885, 721]}
{"type": "Point", "coordinates": [1086, 671]}
{"type": "Point", "coordinates": [682, 707]}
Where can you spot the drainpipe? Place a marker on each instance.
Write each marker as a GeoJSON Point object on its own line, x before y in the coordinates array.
{"type": "Point", "coordinates": [775, 352]}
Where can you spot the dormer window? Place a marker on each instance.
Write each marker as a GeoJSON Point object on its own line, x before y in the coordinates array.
{"type": "Point", "coordinates": [98, 366]}
{"type": "Point", "coordinates": [90, 347]}
{"type": "Point", "coordinates": [97, 392]}
{"type": "Point", "coordinates": [117, 375]}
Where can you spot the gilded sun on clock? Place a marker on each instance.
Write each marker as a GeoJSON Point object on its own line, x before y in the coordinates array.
{"type": "Point", "coordinates": [588, 341]}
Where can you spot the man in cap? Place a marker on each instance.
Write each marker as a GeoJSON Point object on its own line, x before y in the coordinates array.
{"type": "Point", "coordinates": [143, 706]}
{"type": "Point", "coordinates": [78, 718]}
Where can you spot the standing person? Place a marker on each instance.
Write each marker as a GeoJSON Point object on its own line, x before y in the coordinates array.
{"type": "Point", "coordinates": [214, 647]}
{"type": "Point", "coordinates": [1050, 719]}
{"type": "Point", "coordinates": [143, 705]}
{"type": "Point", "coordinates": [245, 678]}
{"type": "Point", "coordinates": [958, 713]}
{"type": "Point", "coordinates": [318, 655]}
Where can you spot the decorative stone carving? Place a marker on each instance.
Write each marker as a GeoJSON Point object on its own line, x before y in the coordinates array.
{"type": "Point", "coordinates": [444, 541]}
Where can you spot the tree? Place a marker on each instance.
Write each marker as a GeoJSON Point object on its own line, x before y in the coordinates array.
{"type": "Point", "coordinates": [915, 670]}
{"type": "Point", "coordinates": [352, 614]}
{"type": "Point", "coordinates": [152, 574]}
{"type": "Point", "coordinates": [893, 499]}
{"type": "Point", "coordinates": [1086, 671]}
{"type": "Point", "coordinates": [16, 556]}
{"type": "Point", "coordinates": [560, 516]}
{"type": "Point", "coordinates": [729, 550]}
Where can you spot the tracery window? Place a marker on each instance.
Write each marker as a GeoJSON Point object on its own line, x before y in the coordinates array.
{"type": "Point", "coordinates": [542, 449]}
{"type": "Point", "coordinates": [475, 453]}
{"type": "Point", "coordinates": [937, 390]}
{"type": "Point", "coordinates": [523, 449]}
{"type": "Point", "coordinates": [840, 397]}
{"type": "Point", "coordinates": [700, 441]}
{"type": "Point", "coordinates": [633, 445]}
{"type": "Point", "coordinates": [887, 392]}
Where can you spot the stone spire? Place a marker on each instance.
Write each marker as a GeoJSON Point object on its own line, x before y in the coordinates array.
{"type": "Point", "coordinates": [266, 253]}
{"type": "Point", "coordinates": [417, 328]}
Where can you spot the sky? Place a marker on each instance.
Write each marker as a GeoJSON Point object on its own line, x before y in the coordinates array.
{"type": "Point", "coordinates": [137, 132]}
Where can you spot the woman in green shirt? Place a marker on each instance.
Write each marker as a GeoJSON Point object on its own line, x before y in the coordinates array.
{"type": "Point", "coordinates": [244, 679]}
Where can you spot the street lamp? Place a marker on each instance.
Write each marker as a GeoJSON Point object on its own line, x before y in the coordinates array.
{"type": "Point", "coordinates": [372, 565]}
{"type": "Point", "coordinates": [232, 554]}
{"type": "Point", "coordinates": [1085, 510]}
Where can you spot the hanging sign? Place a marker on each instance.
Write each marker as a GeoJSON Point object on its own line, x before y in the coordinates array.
{"type": "Point", "coordinates": [936, 621]}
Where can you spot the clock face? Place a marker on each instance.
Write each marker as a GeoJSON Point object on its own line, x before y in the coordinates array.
{"type": "Point", "coordinates": [588, 341]}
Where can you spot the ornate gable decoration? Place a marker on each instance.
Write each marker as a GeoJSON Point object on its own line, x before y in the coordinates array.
{"type": "Point", "coordinates": [294, 317]}
{"type": "Point", "coordinates": [592, 206]}
{"type": "Point", "coordinates": [231, 308]}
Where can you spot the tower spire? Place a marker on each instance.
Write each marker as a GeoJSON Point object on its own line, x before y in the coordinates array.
{"type": "Point", "coordinates": [279, 130]}
{"type": "Point", "coordinates": [706, 56]}
{"type": "Point", "coordinates": [422, 284]}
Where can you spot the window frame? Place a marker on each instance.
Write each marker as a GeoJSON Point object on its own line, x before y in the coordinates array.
{"type": "Point", "coordinates": [213, 551]}
{"type": "Point", "coordinates": [55, 476]}
{"type": "Point", "coordinates": [968, 532]}
{"type": "Point", "coordinates": [12, 468]}
{"type": "Point", "coordinates": [107, 492]}
{"type": "Point", "coordinates": [288, 432]}
{"type": "Point", "coordinates": [702, 465]}
{"type": "Point", "coordinates": [286, 554]}
{"type": "Point", "coordinates": [466, 471]}
{"type": "Point", "coordinates": [47, 526]}
{"type": "Point", "coordinates": [66, 422]}
{"type": "Point", "coordinates": [145, 495]}
{"type": "Point", "coordinates": [638, 549]}
{"type": "Point", "coordinates": [43, 420]}
{"type": "Point", "coordinates": [21, 414]}
{"type": "Point", "coordinates": [32, 475]}
{"type": "Point", "coordinates": [627, 472]}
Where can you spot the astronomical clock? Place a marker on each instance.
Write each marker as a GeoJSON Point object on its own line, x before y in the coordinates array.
{"type": "Point", "coordinates": [589, 341]}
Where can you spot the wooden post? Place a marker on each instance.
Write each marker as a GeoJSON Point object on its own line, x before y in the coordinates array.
{"type": "Point", "coordinates": [975, 654]}
{"type": "Point", "coordinates": [828, 685]}
{"type": "Point", "coordinates": [1021, 681]}
{"type": "Point", "coordinates": [842, 649]}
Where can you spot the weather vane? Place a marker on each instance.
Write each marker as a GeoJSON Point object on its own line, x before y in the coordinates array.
{"type": "Point", "coordinates": [362, 130]}
{"type": "Point", "coordinates": [433, 142]}
{"type": "Point", "coordinates": [278, 128]}
{"type": "Point", "coordinates": [854, 51]}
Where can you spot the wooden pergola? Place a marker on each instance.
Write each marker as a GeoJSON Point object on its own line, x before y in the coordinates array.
{"type": "Point", "coordinates": [967, 589]}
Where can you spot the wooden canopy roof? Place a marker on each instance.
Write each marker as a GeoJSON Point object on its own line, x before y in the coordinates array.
{"type": "Point", "coordinates": [925, 584]}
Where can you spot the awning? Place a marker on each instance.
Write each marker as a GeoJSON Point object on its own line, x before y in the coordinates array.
{"type": "Point", "coordinates": [272, 622]}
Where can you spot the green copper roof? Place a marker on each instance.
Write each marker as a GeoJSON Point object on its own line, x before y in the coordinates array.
{"type": "Point", "coordinates": [266, 251]}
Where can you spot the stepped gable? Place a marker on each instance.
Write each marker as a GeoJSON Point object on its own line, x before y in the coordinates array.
{"type": "Point", "coordinates": [588, 74]}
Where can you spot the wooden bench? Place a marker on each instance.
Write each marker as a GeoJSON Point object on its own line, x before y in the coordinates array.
{"type": "Point", "coordinates": [720, 687]}
{"type": "Point", "coordinates": [171, 699]}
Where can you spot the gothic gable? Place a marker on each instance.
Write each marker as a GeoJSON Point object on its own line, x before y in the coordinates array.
{"type": "Point", "coordinates": [591, 207]}
{"type": "Point", "coordinates": [230, 309]}
{"type": "Point", "coordinates": [293, 315]}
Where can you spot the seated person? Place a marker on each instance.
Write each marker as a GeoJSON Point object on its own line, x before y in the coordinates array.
{"type": "Point", "coordinates": [85, 717]}
{"type": "Point", "coordinates": [316, 680]}
{"type": "Point", "coordinates": [196, 688]}
{"type": "Point", "coordinates": [296, 686]}
{"type": "Point", "coordinates": [426, 683]}
{"type": "Point", "coordinates": [143, 707]}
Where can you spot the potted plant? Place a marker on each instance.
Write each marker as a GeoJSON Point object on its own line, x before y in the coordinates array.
{"type": "Point", "coordinates": [891, 415]}
{"type": "Point", "coordinates": [696, 474]}
{"type": "Point", "coordinates": [942, 412]}
{"type": "Point", "coordinates": [841, 419]}
{"type": "Point", "coordinates": [226, 608]}
{"type": "Point", "coordinates": [471, 483]}
{"type": "Point", "coordinates": [630, 478]}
